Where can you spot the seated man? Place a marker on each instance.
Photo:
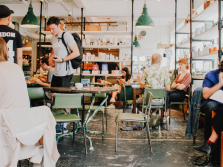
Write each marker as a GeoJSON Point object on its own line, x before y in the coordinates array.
{"type": "Point", "coordinates": [155, 77]}
{"type": "Point", "coordinates": [212, 83]}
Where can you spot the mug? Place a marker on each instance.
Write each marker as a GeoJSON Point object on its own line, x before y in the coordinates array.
{"type": "Point", "coordinates": [79, 85]}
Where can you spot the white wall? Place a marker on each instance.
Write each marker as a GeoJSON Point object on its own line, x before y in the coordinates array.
{"type": "Point", "coordinates": [148, 44]}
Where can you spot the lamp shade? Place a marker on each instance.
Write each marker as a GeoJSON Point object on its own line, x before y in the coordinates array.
{"type": "Point", "coordinates": [144, 21]}
{"type": "Point", "coordinates": [30, 20]}
{"type": "Point", "coordinates": [136, 42]}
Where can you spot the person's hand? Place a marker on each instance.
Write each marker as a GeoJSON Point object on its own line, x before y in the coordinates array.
{"type": "Point", "coordinates": [36, 80]}
{"type": "Point", "coordinates": [40, 76]}
{"type": "Point", "coordinates": [221, 78]}
{"type": "Point", "coordinates": [180, 86]}
{"type": "Point", "coordinates": [122, 80]}
{"type": "Point", "coordinates": [139, 77]}
{"type": "Point", "coordinates": [58, 60]}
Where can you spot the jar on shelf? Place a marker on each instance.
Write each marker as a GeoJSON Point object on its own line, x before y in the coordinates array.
{"type": "Point", "coordinates": [210, 49]}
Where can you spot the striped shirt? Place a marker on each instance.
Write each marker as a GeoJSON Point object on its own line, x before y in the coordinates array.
{"type": "Point", "coordinates": [186, 80]}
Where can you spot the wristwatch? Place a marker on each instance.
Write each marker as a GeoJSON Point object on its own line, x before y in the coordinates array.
{"type": "Point", "coordinates": [62, 60]}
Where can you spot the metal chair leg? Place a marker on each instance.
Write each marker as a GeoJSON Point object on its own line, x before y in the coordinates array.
{"type": "Point", "coordinates": [103, 123]}
{"type": "Point", "coordinates": [74, 131]}
{"type": "Point", "coordinates": [159, 124]}
{"type": "Point", "coordinates": [116, 140]}
{"type": "Point", "coordinates": [85, 142]}
{"type": "Point", "coordinates": [149, 138]}
{"type": "Point", "coordinates": [20, 164]}
{"type": "Point", "coordinates": [106, 114]}
{"type": "Point", "coordinates": [169, 114]}
{"type": "Point", "coordinates": [183, 111]}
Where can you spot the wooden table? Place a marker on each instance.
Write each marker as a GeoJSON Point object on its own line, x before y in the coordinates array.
{"type": "Point", "coordinates": [100, 84]}
{"type": "Point", "coordinates": [136, 91]}
{"type": "Point", "coordinates": [93, 90]}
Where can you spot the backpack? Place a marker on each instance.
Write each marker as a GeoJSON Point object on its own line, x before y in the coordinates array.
{"type": "Point", "coordinates": [76, 62]}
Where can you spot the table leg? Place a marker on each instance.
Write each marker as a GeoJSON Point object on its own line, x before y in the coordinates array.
{"type": "Point", "coordinates": [83, 106]}
{"type": "Point", "coordinates": [134, 101]}
{"type": "Point", "coordinates": [95, 112]}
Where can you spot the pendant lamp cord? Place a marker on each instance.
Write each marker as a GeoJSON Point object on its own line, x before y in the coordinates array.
{"type": "Point", "coordinates": [145, 2]}
{"type": "Point", "coordinates": [160, 30]}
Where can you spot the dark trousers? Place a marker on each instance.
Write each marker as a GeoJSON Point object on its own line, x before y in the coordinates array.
{"type": "Point", "coordinates": [207, 108]}
{"type": "Point", "coordinates": [217, 122]}
{"type": "Point", "coordinates": [174, 96]}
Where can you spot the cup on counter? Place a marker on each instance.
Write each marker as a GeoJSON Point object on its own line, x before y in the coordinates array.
{"type": "Point", "coordinates": [71, 84]}
{"type": "Point", "coordinates": [79, 85]}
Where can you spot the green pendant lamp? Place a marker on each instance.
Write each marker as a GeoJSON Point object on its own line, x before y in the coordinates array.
{"type": "Point", "coordinates": [30, 20]}
{"type": "Point", "coordinates": [144, 21]}
{"type": "Point", "coordinates": [136, 42]}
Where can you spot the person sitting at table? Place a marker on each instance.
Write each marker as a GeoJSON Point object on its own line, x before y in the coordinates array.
{"type": "Point", "coordinates": [13, 88]}
{"type": "Point", "coordinates": [125, 79]}
{"type": "Point", "coordinates": [180, 84]}
{"type": "Point", "coordinates": [155, 77]}
{"type": "Point", "coordinates": [48, 65]}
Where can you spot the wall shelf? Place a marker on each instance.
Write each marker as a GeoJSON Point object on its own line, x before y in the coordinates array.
{"type": "Point", "coordinates": [212, 55]}
{"type": "Point", "coordinates": [107, 46]}
{"type": "Point", "coordinates": [210, 10]}
{"type": "Point", "coordinates": [211, 33]}
{"type": "Point", "coordinates": [106, 61]}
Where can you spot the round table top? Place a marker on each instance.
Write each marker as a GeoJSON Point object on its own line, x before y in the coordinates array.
{"type": "Point", "coordinates": [95, 90]}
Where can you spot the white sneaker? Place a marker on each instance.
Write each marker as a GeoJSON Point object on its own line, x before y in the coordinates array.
{"type": "Point", "coordinates": [111, 106]}
{"type": "Point", "coordinates": [112, 100]}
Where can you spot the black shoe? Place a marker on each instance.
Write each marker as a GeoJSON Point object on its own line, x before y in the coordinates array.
{"type": "Point", "coordinates": [205, 149]}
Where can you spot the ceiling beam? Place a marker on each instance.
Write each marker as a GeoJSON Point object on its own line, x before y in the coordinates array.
{"type": "Point", "coordinates": [80, 3]}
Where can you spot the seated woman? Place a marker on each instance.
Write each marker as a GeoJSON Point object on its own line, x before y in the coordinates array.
{"type": "Point", "coordinates": [126, 79]}
{"type": "Point", "coordinates": [13, 88]}
{"type": "Point", "coordinates": [180, 84]}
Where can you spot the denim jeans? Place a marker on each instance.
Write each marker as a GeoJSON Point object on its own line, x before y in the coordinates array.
{"type": "Point", "coordinates": [174, 96]}
{"type": "Point", "coordinates": [207, 108]}
{"type": "Point", "coordinates": [193, 118]}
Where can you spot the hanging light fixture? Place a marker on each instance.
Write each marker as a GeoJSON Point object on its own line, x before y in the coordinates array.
{"type": "Point", "coordinates": [144, 21]}
{"type": "Point", "coordinates": [136, 42]}
{"type": "Point", "coordinates": [30, 20]}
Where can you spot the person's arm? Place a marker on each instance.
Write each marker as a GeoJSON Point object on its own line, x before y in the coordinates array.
{"type": "Point", "coordinates": [36, 80]}
{"type": "Point", "coordinates": [185, 83]}
{"type": "Point", "coordinates": [174, 85]}
{"type": "Point", "coordinates": [167, 81]}
{"type": "Point", "coordinates": [19, 57]}
{"type": "Point", "coordinates": [208, 92]}
{"type": "Point", "coordinates": [68, 38]}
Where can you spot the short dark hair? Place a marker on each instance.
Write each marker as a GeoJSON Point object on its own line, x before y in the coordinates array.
{"type": "Point", "coordinates": [220, 66]}
{"type": "Point", "coordinates": [53, 20]}
{"type": "Point", "coordinates": [45, 60]}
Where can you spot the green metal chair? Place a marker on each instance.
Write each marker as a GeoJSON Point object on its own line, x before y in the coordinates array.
{"type": "Point", "coordinates": [93, 108]}
{"type": "Point", "coordinates": [157, 94]}
{"type": "Point", "coordinates": [128, 95]}
{"type": "Point", "coordinates": [36, 93]}
{"type": "Point", "coordinates": [137, 117]}
{"type": "Point", "coordinates": [68, 101]}
{"type": "Point", "coordinates": [187, 96]}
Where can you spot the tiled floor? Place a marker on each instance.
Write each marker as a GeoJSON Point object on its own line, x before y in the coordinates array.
{"type": "Point", "coordinates": [171, 148]}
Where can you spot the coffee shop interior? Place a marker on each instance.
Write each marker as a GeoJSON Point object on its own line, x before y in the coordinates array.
{"type": "Point", "coordinates": [121, 37]}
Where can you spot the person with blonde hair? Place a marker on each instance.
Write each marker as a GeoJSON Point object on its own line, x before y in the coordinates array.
{"type": "Point", "coordinates": [180, 84]}
{"type": "Point", "coordinates": [13, 89]}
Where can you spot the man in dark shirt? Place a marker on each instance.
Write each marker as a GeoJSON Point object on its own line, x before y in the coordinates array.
{"type": "Point", "coordinates": [213, 82]}
{"type": "Point", "coordinates": [11, 36]}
